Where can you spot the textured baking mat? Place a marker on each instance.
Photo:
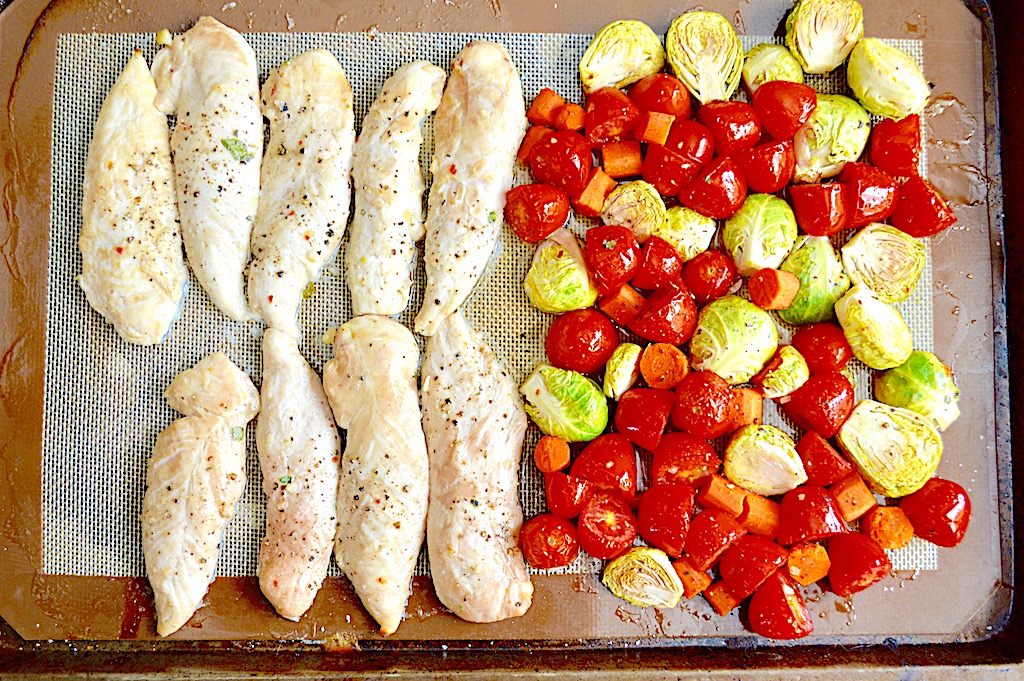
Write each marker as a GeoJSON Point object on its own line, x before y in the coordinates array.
{"type": "Point", "coordinates": [104, 401]}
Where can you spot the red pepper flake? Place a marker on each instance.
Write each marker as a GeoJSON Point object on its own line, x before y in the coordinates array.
{"type": "Point", "coordinates": [451, 169]}
{"type": "Point", "coordinates": [270, 298]}
{"type": "Point", "coordinates": [119, 250]}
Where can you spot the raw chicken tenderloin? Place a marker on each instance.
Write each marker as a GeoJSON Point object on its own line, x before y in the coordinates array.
{"type": "Point", "coordinates": [382, 494]}
{"type": "Point", "coordinates": [208, 76]}
{"type": "Point", "coordinates": [474, 422]}
{"type": "Point", "coordinates": [133, 271]}
{"type": "Point", "coordinates": [299, 449]}
{"type": "Point", "coordinates": [388, 217]}
{"type": "Point", "coordinates": [477, 130]}
{"type": "Point", "coordinates": [306, 189]}
{"type": "Point", "coordinates": [196, 475]}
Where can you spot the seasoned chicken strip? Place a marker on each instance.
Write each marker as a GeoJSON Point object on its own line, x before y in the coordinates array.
{"type": "Point", "coordinates": [474, 422]}
{"type": "Point", "coordinates": [298, 448]}
{"type": "Point", "coordinates": [477, 130]}
{"type": "Point", "coordinates": [305, 193]}
{"type": "Point", "coordinates": [388, 218]}
{"type": "Point", "coordinates": [196, 475]}
{"type": "Point", "coordinates": [208, 76]}
{"type": "Point", "coordinates": [133, 271]}
{"type": "Point", "coordinates": [382, 494]}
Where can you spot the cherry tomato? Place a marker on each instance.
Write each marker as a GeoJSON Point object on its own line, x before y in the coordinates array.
{"type": "Point", "coordinates": [896, 145]}
{"type": "Point", "coordinates": [717, 192]}
{"type": "Point", "coordinates": [735, 125]}
{"type": "Point", "coordinates": [668, 171]}
{"type": "Point", "coordinates": [820, 209]}
{"type": "Point", "coordinates": [691, 140]}
{"type": "Point", "coordinates": [749, 562]}
{"type": "Point", "coordinates": [566, 493]}
{"type": "Point", "coordinates": [642, 414]}
{"type": "Point", "coordinates": [870, 194]}
{"type": "Point", "coordinates": [548, 542]}
{"type": "Point", "coordinates": [664, 516]}
{"type": "Point", "coordinates": [668, 316]}
{"type": "Point", "coordinates": [777, 609]}
{"type": "Point", "coordinates": [681, 457]}
{"type": "Point", "coordinates": [767, 168]}
{"type": "Point", "coordinates": [809, 513]}
{"type": "Point", "coordinates": [704, 405]}
{"type": "Point", "coordinates": [822, 463]}
{"type": "Point", "coordinates": [784, 107]}
{"type": "Point", "coordinates": [711, 532]}
{"type": "Point", "coordinates": [611, 116]}
{"type": "Point", "coordinates": [608, 462]}
{"type": "Point", "coordinates": [534, 211]}
{"type": "Point", "coordinates": [857, 563]}
{"type": "Point", "coordinates": [824, 346]}
{"type": "Point", "coordinates": [821, 404]}
{"type": "Point", "coordinates": [709, 275]}
{"type": "Point", "coordinates": [920, 210]}
{"type": "Point", "coordinates": [940, 512]}
{"type": "Point", "coordinates": [581, 340]}
{"type": "Point", "coordinates": [613, 255]}
{"type": "Point", "coordinates": [663, 93]}
{"type": "Point", "coordinates": [659, 264]}
{"type": "Point", "coordinates": [606, 526]}
{"type": "Point", "coordinates": [561, 158]}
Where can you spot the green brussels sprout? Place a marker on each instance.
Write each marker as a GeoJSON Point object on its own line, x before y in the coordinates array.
{"type": "Point", "coordinates": [644, 576]}
{"type": "Point", "coordinates": [836, 132]}
{"type": "Point", "coordinates": [895, 450]}
{"type": "Point", "coordinates": [558, 279]}
{"type": "Point", "coordinates": [763, 459]}
{"type": "Point", "coordinates": [621, 53]}
{"type": "Point", "coordinates": [768, 61]}
{"type": "Point", "coordinates": [822, 281]}
{"type": "Point", "coordinates": [886, 260]}
{"type": "Point", "coordinates": [638, 206]}
{"type": "Point", "coordinates": [565, 403]}
{"type": "Point", "coordinates": [876, 331]}
{"type": "Point", "coordinates": [784, 373]}
{"type": "Point", "coordinates": [885, 80]}
{"type": "Point", "coordinates": [689, 231]}
{"type": "Point", "coordinates": [821, 33]}
{"type": "Point", "coordinates": [705, 53]}
{"type": "Point", "coordinates": [622, 370]}
{"type": "Point", "coordinates": [734, 338]}
{"type": "Point", "coordinates": [922, 384]}
{"type": "Point", "coordinates": [760, 234]}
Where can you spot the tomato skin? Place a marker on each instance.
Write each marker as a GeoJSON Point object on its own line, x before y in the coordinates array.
{"type": "Point", "coordinates": [659, 264]}
{"type": "Point", "coordinates": [561, 158]}
{"type": "Point", "coordinates": [534, 211]}
{"type": "Point", "coordinates": [767, 168]}
{"type": "Point", "coordinates": [608, 462]}
{"type": "Point", "coordinates": [822, 463]}
{"type": "Point", "coordinates": [870, 194]}
{"type": "Point", "coordinates": [940, 512]}
{"type": "Point", "coordinates": [666, 170]}
{"type": "Point", "coordinates": [668, 316]}
{"type": "Point", "coordinates": [717, 192]}
{"type": "Point", "coordinates": [691, 140]}
{"type": "Point", "coordinates": [777, 609]}
{"type": "Point", "coordinates": [681, 457]}
{"type": "Point", "coordinates": [548, 542]}
{"type": "Point", "coordinates": [613, 255]}
{"type": "Point", "coordinates": [611, 116]}
{"type": "Point", "coordinates": [606, 526]}
{"type": "Point", "coordinates": [920, 209]}
{"type": "Point", "coordinates": [857, 563]}
{"type": "Point", "coordinates": [642, 414]}
{"type": "Point", "coordinates": [709, 275]}
{"type": "Point", "coordinates": [711, 532]}
{"type": "Point", "coordinates": [663, 93]}
{"type": "Point", "coordinates": [809, 513]}
{"type": "Point", "coordinates": [581, 340]}
{"type": "Point", "coordinates": [896, 145]}
{"type": "Point", "coordinates": [749, 562]}
{"type": "Point", "coordinates": [704, 405]}
{"type": "Point", "coordinates": [824, 346]}
{"type": "Point", "coordinates": [820, 209]}
{"type": "Point", "coordinates": [664, 516]}
{"type": "Point", "coordinates": [822, 404]}
{"type": "Point", "coordinates": [566, 494]}
{"type": "Point", "coordinates": [735, 125]}
{"type": "Point", "coordinates": [784, 107]}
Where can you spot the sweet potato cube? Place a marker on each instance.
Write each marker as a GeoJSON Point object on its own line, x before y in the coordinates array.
{"type": "Point", "coordinates": [622, 306]}
{"type": "Point", "coordinates": [720, 598]}
{"type": "Point", "coordinates": [807, 563]}
{"type": "Point", "coordinates": [544, 107]}
{"type": "Point", "coordinates": [748, 406]}
{"type": "Point", "coordinates": [597, 189]}
{"type": "Point", "coordinates": [653, 127]}
{"type": "Point", "coordinates": [533, 135]}
{"type": "Point", "coordinates": [718, 492]}
{"type": "Point", "coordinates": [570, 116]}
{"type": "Point", "coordinates": [889, 526]}
{"type": "Point", "coordinates": [621, 159]}
{"type": "Point", "coordinates": [694, 580]}
{"type": "Point", "coordinates": [853, 497]}
{"type": "Point", "coordinates": [760, 516]}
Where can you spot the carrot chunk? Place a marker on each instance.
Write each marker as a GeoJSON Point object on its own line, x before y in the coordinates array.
{"type": "Point", "coordinates": [622, 159]}
{"type": "Point", "coordinates": [807, 563]}
{"type": "Point", "coordinates": [720, 598]}
{"type": "Point", "coordinates": [718, 492]}
{"type": "Point", "coordinates": [535, 134]}
{"type": "Point", "coordinates": [773, 289]}
{"type": "Point", "coordinates": [544, 107]}
{"type": "Point", "coordinates": [760, 516]}
{"type": "Point", "coordinates": [551, 454]}
{"type": "Point", "coordinates": [694, 580]}
{"type": "Point", "coordinates": [653, 127]}
{"type": "Point", "coordinates": [570, 116]}
{"type": "Point", "coordinates": [623, 306]}
{"type": "Point", "coordinates": [889, 526]}
{"type": "Point", "coordinates": [663, 365]}
{"type": "Point", "coordinates": [591, 201]}
{"type": "Point", "coordinates": [853, 497]}
{"type": "Point", "coordinates": [748, 406]}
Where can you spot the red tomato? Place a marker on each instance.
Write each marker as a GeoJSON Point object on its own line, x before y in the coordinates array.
{"type": "Point", "coordinates": [534, 211]}
{"type": "Point", "coordinates": [767, 168]}
{"type": "Point", "coordinates": [548, 542]}
{"type": "Point", "coordinates": [609, 462]}
{"type": "Point", "coordinates": [664, 516]}
{"type": "Point", "coordinates": [561, 158]}
{"type": "Point", "coordinates": [896, 145]}
{"type": "Point", "coordinates": [940, 512]}
{"type": "Point", "coordinates": [642, 414]}
{"type": "Point", "coordinates": [606, 526]}
{"type": "Point", "coordinates": [662, 93]}
{"type": "Point", "coordinates": [704, 405]}
{"type": "Point", "coordinates": [581, 340]}
{"type": "Point", "coordinates": [822, 463]}
{"type": "Point", "coordinates": [717, 192]}
{"type": "Point", "coordinates": [711, 532]}
{"type": "Point", "coordinates": [809, 513]}
{"type": "Point", "coordinates": [613, 255]}
{"type": "Point", "coordinates": [870, 194]}
{"type": "Point", "coordinates": [822, 404]}
{"type": "Point", "coordinates": [921, 211]}
{"type": "Point", "coordinates": [709, 275]}
{"type": "Point", "coordinates": [659, 264]}
{"type": "Point", "coordinates": [749, 562]}
{"type": "Point", "coordinates": [691, 140]}
{"type": "Point", "coordinates": [668, 316]}
{"type": "Point", "coordinates": [820, 209]}
{"type": "Point", "coordinates": [566, 494]}
{"type": "Point", "coordinates": [824, 346]}
{"type": "Point", "coordinates": [777, 609]}
{"type": "Point", "coordinates": [611, 116]}
{"type": "Point", "coordinates": [735, 125]}
{"type": "Point", "coordinates": [857, 563]}
{"type": "Point", "coordinates": [668, 171]}
{"type": "Point", "coordinates": [681, 457]}
{"type": "Point", "coordinates": [784, 107]}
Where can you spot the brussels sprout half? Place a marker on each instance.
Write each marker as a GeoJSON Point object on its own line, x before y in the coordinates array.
{"type": "Point", "coordinates": [705, 53]}
{"type": "Point", "coordinates": [760, 234]}
{"type": "Point", "coordinates": [886, 260]}
{"type": "Point", "coordinates": [763, 459]}
{"type": "Point", "coordinates": [768, 61]}
{"type": "Point", "coordinates": [621, 53]}
{"type": "Point", "coordinates": [790, 373]}
{"type": "Point", "coordinates": [822, 281]}
{"type": "Point", "coordinates": [836, 132]}
{"type": "Point", "coordinates": [885, 80]}
{"type": "Point", "coordinates": [644, 576]}
{"type": "Point", "coordinates": [876, 331]}
{"type": "Point", "coordinates": [565, 403]}
{"type": "Point", "coordinates": [690, 232]}
{"type": "Point", "coordinates": [558, 279]}
{"type": "Point", "coordinates": [622, 370]}
{"type": "Point", "coordinates": [922, 384]}
{"type": "Point", "coordinates": [734, 338]}
{"type": "Point", "coordinates": [821, 33]}
{"type": "Point", "coordinates": [638, 206]}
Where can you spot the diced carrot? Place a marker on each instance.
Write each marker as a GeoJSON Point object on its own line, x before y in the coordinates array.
{"type": "Point", "coordinates": [653, 127]}
{"type": "Point", "coordinates": [889, 526]}
{"type": "Point", "coordinates": [622, 306]}
{"type": "Point", "coordinates": [807, 563]}
{"type": "Point", "coordinates": [748, 408]}
{"type": "Point", "coordinates": [622, 159]}
{"type": "Point", "coordinates": [663, 365]}
{"type": "Point", "coordinates": [760, 516]}
{"type": "Point", "coordinates": [720, 598]}
{"type": "Point", "coordinates": [551, 454]}
{"type": "Point", "coordinates": [535, 134]}
{"type": "Point", "coordinates": [718, 492]}
{"type": "Point", "coordinates": [545, 105]}
{"type": "Point", "coordinates": [694, 580]}
{"type": "Point", "coordinates": [591, 201]}
{"type": "Point", "coordinates": [773, 289]}
{"type": "Point", "coordinates": [853, 497]}
{"type": "Point", "coordinates": [570, 116]}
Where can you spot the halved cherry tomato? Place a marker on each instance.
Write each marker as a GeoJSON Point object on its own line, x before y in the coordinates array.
{"type": "Point", "coordinates": [609, 462]}
{"type": "Point", "coordinates": [611, 116]}
{"type": "Point", "coordinates": [534, 211]}
{"type": "Point", "coordinates": [870, 194]}
{"type": "Point", "coordinates": [691, 140]}
{"type": "Point", "coordinates": [663, 93]}
{"type": "Point", "coordinates": [668, 316]}
{"type": "Point", "coordinates": [777, 609]}
{"type": "Point", "coordinates": [749, 562]}
{"type": "Point", "coordinates": [666, 170]}
{"type": "Point", "coordinates": [581, 340]}
{"type": "Point", "coordinates": [659, 264]}
{"type": "Point", "coordinates": [561, 158]}
{"type": "Point", "coordinates": [681, 457]}
{"type": "Point", "coordinates": [920, 210]}
{"type": "Point", "coordinates": [717, 192]}
{"type": "Point", "coordinates": [566, 493]}
{"type": "Point", "coordinates": [822, 463]}
{"type": "Point", "coordinates": [709, 275]}
{"type": "Point", "coordinates": [704, 405]}
{"type": "Point", "coordinates": [711, 532]}
{"type": "Point", "coordinates": [642, 414]}
{"type": "Point", "coordinates": [820, 209]}
{"type": "Point", "coordinates": [606, 526]}
{"type": "Point", "coordinates": [821, 404]}
{"type": "Point", "coordinates": [613, 255]}
{"type": "Point", "coordinates": [824, 346]}
{"type": "Point", "coordinates": [940, 512]}
{"type": "Point", "coordinates": [784, 107]}
{"type": "Point", "coordinates": [809, 513]}
{"type": "Point", "coordinates": [735, 125]}
{"type": "Point", "coordinates": [664, 516]}
{"type": "Point", "coordinates": [548, 542]}
{"type": "Point", "coordinates": [857, 563]}
{"type": "Point", "coordinates": [896, 145]}
{"type": "Point", "coordinates": [767, 168]}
